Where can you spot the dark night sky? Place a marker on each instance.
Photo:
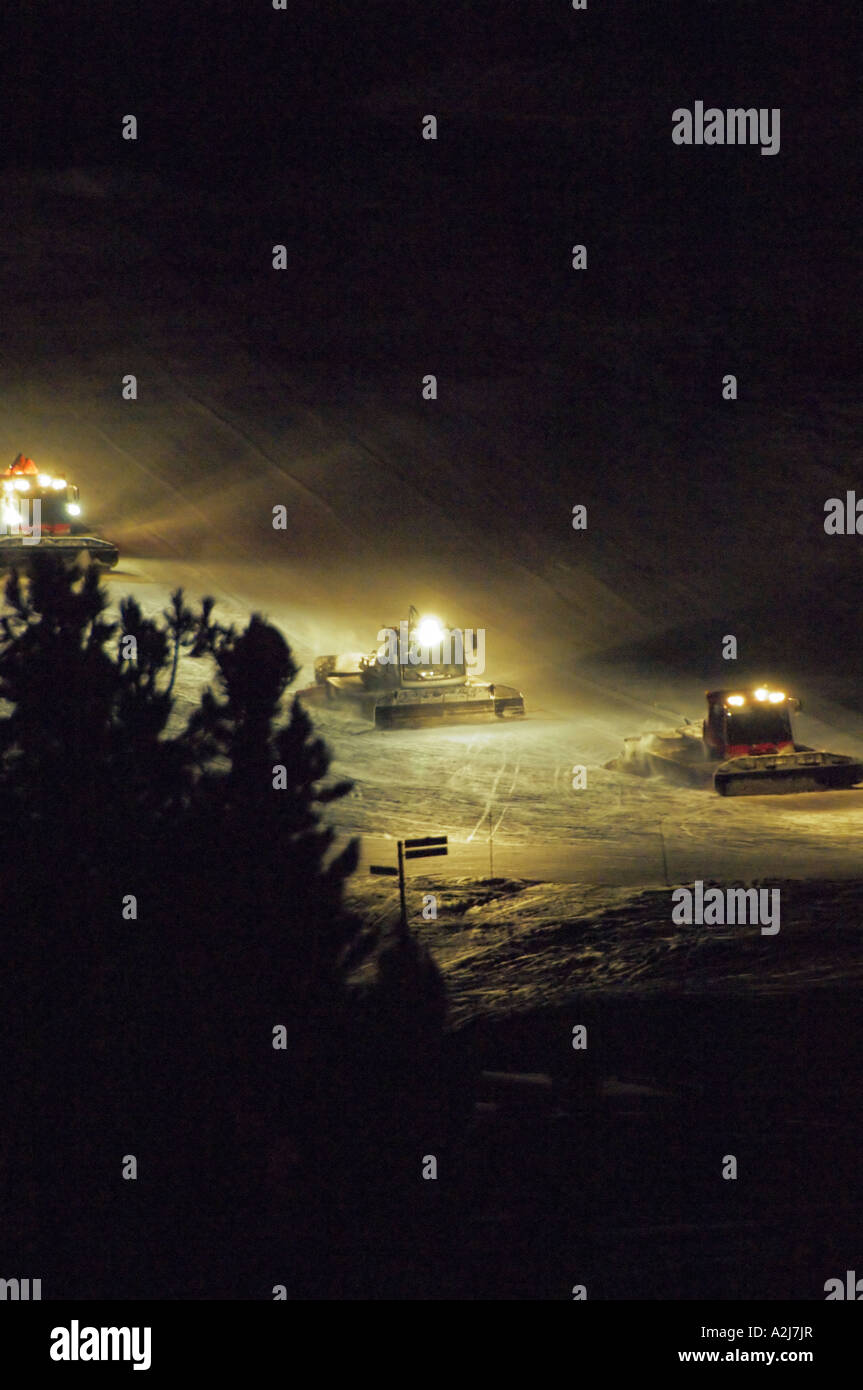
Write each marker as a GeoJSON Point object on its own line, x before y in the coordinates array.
{"type": "Point", "coordinates": [242, 76]}
{"type": "Point", "coordinates": [243, 99]}
{"type": "Point", "coordinates": [555, 127]}
{"type": "Point", "coordinates": [258, 127]}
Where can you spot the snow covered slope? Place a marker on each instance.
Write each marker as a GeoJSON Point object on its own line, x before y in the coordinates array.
{"type": "Point", "coordinates": [702, 519]}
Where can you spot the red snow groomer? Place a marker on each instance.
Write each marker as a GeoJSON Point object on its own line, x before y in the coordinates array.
{"type": "Point", "coordinates": [745, 747]}
{"type": "Point", "coordinates": [41, 511]}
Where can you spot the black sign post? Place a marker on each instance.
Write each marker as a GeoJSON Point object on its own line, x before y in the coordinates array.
{"type": "Point", "coordinates": [427, 848]}
{"type": "Point", "coordinates": [402, 898]}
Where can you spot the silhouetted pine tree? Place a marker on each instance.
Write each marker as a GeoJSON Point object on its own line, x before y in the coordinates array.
{"type": "Point", "coordinates": [153, 1035]}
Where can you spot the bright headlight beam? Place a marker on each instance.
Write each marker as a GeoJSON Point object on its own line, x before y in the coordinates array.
{"type": "Point", "coordinates": [429, 632]}
{"type": "Point", "coordinates": [761, 693]}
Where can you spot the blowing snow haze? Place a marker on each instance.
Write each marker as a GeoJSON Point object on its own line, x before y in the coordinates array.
{"type": "Point", "coordinates": [407, 256]}
{"type": "Point", "coordinates": [645, 362]}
